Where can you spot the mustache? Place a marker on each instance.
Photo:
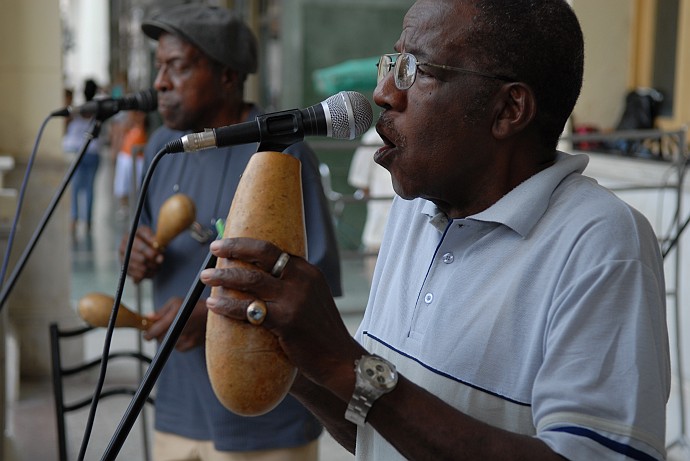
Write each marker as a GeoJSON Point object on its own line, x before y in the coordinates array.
{"type": "Point", "coordinates": [386, 129]}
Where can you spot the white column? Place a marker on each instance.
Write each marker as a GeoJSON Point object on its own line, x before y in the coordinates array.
{"type": "Point", "coordinates": [88, 23]}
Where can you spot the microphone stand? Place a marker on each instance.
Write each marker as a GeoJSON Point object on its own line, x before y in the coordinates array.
{"type": "Point", "coordinates": [92, 133]}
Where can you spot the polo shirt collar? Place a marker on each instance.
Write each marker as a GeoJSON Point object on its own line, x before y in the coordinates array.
{"type": "Point", "coordinates": [523, 206]}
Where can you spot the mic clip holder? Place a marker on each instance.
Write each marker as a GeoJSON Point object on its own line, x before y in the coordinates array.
{"type": "Point", "coordinates": [284, 129]}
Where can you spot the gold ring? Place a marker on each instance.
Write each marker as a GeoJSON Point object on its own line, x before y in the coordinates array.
{"type": "Point", "coordinates": [280, 264]}
{"type": "Point", "coordinates": [256, 312]}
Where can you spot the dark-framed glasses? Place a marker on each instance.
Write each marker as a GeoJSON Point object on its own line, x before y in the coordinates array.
{"type": "Point", "coordinates": [404, 66]}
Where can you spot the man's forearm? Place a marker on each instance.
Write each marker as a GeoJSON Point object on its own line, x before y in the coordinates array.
{"type": "Point", "coordinates": [328, 409]}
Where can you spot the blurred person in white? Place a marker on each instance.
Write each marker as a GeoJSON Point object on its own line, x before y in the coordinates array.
{"type": "Point", "coordinates": [373, 182]}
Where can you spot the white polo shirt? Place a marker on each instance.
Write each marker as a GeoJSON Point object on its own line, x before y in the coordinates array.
{"type": "Point", "coordinates": [543, 315]}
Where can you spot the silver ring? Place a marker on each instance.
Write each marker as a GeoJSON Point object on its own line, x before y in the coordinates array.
{"type": "Point", "coordinates": [280, 264]}
{"type": "Point", "coordinates": [256, 312]}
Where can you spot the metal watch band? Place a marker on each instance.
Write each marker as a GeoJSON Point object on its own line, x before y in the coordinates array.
{"type": "Point", "coordinates": [359, 407]}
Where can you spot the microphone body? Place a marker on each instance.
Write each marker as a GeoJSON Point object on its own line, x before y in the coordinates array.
{"type": "Point", "coordinates": [102, 109]}
{"type": "Point", "coordinates": [345, 115]}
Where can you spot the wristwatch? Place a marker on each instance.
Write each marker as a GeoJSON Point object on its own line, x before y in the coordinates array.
{"type": "Point", "coordinates": [375, 376]}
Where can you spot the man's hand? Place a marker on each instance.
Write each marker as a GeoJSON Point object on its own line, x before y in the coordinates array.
{"type": "Point", "coordinates": [145, 258]}
{"type": "Point", "coordinates": [194, 332]}
{"type": "Point", "coordinates": [301, 311]}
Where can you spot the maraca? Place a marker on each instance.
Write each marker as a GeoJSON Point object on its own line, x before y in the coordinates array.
{"type": "Point", "coordinates": [95, 309]}
{"type": "Point", "coordinates": [249, 372]}
{"type": "Point", "coordinates": [175, 215]}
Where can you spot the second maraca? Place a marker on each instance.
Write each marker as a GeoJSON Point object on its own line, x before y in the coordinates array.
{"type": "Point", "coordinates": [94, 309]}
{"type": "Point", "coordinates": [174, 217]}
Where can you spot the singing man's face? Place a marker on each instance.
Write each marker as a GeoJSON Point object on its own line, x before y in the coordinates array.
{"type": "Point", "coordinates": [438, 131]}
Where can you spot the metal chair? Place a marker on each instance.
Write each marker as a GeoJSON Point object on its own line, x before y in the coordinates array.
{"type": "Point", "coordinates": [60, 371]}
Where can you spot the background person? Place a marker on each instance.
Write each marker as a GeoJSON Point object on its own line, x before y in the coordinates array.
{"type": "Point", "coordinates": [130, 158]}
{"type": "Point", "coordinates": [522, 304]}
{"type": "Point", "coordinates": [203, 56]}
{"type": "Point", "coordinates": [374, 182]}
{"type": "Point", "coordinates": [85, 174]}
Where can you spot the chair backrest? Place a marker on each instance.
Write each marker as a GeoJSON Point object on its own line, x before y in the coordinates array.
{"type": "Point", "coordinates": [60, 372]}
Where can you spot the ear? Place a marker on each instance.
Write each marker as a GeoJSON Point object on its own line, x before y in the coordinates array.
{"type": "Point", "coordinates": [230, 76]}
{"type": "Point", "coordinates": [515, 109]}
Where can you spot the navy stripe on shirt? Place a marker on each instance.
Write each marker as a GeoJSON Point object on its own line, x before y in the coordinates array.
{"type": "Point", "coordinates": [618, 447]}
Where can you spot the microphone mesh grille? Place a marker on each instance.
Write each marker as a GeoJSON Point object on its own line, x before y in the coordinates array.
{"type": "Point", "coordinates": [147, 100]}
{"type": "Point", "coordinates": [351, 114]}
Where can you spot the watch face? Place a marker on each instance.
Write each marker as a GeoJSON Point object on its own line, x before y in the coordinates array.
{"type": "Point", "coordinates": [378, 372]}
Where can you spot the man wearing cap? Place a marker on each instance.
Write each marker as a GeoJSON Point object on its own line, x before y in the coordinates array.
{"type": "Point", "coordinates": [203, 56]}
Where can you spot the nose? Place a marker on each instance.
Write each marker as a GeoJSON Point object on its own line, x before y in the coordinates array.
{"type": "Point", "coordinates": [387, 95]}
{"type": "Point", "coordinates": [161, 83]}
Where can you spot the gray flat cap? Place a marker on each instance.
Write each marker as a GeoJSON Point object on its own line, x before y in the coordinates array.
{"type": "Point", "coordinates": [218, 32]}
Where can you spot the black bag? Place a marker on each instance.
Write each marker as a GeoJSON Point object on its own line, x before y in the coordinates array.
{"type": "Point", "coordinates": [641, 109]}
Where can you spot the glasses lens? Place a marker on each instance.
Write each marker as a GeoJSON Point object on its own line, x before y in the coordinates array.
{"type": "Point", "coordinates": [384, 66]}
{"type": "Point", "coordinates": [405, 71]}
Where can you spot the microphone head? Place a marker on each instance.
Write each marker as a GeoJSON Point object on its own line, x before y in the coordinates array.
{"type": "Point", "coordinates": [145, 101]}
{"type": "Point", "coordinates": [349, 114]}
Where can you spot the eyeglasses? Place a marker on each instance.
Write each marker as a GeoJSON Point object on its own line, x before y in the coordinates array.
{"type": "Point", "coordinates": [405, 66]}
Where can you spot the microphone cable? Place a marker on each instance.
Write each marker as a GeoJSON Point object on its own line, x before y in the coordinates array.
{"type": "Point", "coordinates": [7, 287]}
{"type": "Point", "coordinates": [20, 201]}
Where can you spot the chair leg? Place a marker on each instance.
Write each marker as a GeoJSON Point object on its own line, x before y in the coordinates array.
{"type": "Point", "coordinates": [58, 392]}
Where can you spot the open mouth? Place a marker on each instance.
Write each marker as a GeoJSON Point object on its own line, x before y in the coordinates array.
{"type": "Point", "coordinates": [388, 143]}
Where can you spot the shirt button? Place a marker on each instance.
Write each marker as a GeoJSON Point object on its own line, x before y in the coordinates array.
{"type": "Point", "coordinates": [428, 298]}
{"type": "Point", "coordinates": [448, 258]}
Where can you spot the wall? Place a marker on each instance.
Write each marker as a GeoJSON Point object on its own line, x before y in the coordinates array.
{"type": "Point", "coordinates": [88, 56]}
{"type": "Point", "coordinates": [607, 29]}
{"type": "Point", "coordinates": [30, 75]}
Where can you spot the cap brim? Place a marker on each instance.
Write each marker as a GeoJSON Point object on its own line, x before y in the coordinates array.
{"type": "Point", "coordinates": [154, 29]}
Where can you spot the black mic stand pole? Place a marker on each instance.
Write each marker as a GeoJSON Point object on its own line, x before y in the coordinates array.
{"type": "Point", "coordinates": [93, 132]}
{"type": "Point", "coordinates": [156, 366]}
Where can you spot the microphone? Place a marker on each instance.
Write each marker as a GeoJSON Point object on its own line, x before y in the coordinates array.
{"type": "Point", "coordinates": [345, 115]}
{"type": "Point", "coordinates": [145, 101]}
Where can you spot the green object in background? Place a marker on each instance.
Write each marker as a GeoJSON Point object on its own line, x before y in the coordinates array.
{"type": "Point", "coordinates": [350, 75]}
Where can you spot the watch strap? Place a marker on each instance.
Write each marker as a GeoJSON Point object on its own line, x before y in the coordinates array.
{"type": "Point", "coordinates": [358, 407]}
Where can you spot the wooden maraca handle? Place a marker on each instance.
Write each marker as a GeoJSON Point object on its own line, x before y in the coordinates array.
{"type": "Point", "coordinates": [175, 216]}
{"type": "Point", "coordinates": [95, 309]}
{"type": "Point", "coordinates": [249, 372]}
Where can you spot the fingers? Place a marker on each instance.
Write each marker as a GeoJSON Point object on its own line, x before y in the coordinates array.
{"type": "Point", "coordinates": [229, 306]}
{"type": "Point", "coordinates": [158, 329]}
{"type": "Point", "coordinates": [236, 275]}
{"type": "Point", "coordinates": [194, 331]}
{"type": "Point", "coordinates": [247, 265]}
{"type": "Point", "coordinates": [144, 258]}
{"type": "Point", "coordinates": [260, 253]}
{"type": "Point", "coordinates": [145, 245]}
{"type": "Point", "coordinates": [163, 319]}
